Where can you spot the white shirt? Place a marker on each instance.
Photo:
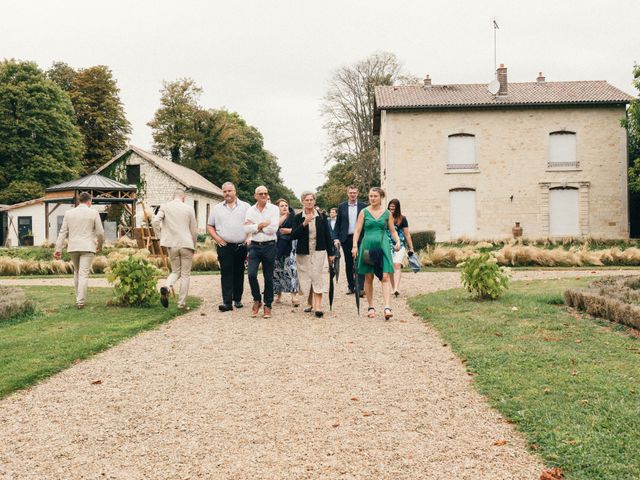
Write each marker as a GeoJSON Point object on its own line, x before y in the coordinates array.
{"type": "Point", "coordinates": [229, 221]}
{"type": "Point", "coordinates": [271, 213]}
{"type": "Point", "coordinates": [353, 217]}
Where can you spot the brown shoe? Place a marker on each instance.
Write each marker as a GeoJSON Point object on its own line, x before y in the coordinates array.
{"type": "Point", "coordinates": [256, 308]}
{"type": "Point", "coordinates": [267, 312]}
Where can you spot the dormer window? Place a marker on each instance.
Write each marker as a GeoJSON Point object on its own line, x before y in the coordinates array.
{"type": "Point", "coordinates": [462, 152]}
{"type": "Point", "coordinates": [562, 150]}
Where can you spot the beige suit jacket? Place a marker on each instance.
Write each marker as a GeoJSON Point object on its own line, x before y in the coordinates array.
{"type": "Point", "coordinates": [176, 225]}
{"type": "Point", "coordinates": [83, 227]}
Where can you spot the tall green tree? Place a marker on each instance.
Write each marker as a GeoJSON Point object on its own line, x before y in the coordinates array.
{"type": "Point", "coordinates": [174, 122]}
{"type": "Point", "coordinates": [348, 111]}
{"type": "Point", "coordinates": [40, 142]}
{"type": "Point", "coordinates": [99, 111]}
{"type": "Point", "coordinates": [218, 144]}
{"type": "Point", "coordinates": [632, 124]}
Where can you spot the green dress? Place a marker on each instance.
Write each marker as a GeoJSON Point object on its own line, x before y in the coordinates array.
{"type": "Point", "coordinates": [375, 236]}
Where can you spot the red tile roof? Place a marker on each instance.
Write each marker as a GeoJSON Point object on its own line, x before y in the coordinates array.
{"type": "Point", "coordinates": [596, 92]}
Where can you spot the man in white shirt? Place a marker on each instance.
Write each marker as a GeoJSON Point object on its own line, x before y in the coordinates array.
{"type": "Point", "coordinates": [226, 227]}
{"type": "Point", "coordinates": [84, 229]}
{"type": "Point", "coordinates": [176, 223]}
{"type": "Point", "coordinates": [262, 222]}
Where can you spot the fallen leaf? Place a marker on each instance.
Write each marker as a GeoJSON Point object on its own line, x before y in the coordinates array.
{"type": "Point", "coordinates": [571, 442]}
{"type": "Point", "coordinates": [498, 334]}
{"type": "Point", "coordinates": [402, 321]}
{"type": "Point", "coordinates": [355, 399]}
{"type": "Point", "coordinates": [578, 341]}
{"type": "Point", "coordinates": [533, 446]}
{"type": "Point", "coordinates": [444, 344]}
{"type": "Point", "coordinates": [416, 315]}
{"type": "Point", "coordinates": [366, 414]}
{"type": "Point", "coordinates": [96, 382]}
{"type": "Point", "coordinates": [500, 442]}
{"type": "Point", "coordinates": [203, 314]}
{"type": "Point", "coordinates": [547, 390]}
{"type": "Point", "coordinates": [335, 425]}
{"type": "Point", "coordinates": [554, 473]}
{"type": "Point", "coordinates": [515, 309]}
{"type": "Point", "coordinates": [584, 402]}
{"type": "Point", "coordinates": [574, 373]}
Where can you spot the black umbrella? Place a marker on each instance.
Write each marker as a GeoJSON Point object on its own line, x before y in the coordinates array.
{"type": "Point", "coordinates": [356, 283]}
{"type": "Point", "coordinates": [336, 264]}
{"type": "Point", "coordinates": [332, 275]}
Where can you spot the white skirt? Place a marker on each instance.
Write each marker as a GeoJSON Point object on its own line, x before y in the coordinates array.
{"type": "Point", "coordinates": [311, 274]}
{"type": "Point", "coordinates": [398, 257]}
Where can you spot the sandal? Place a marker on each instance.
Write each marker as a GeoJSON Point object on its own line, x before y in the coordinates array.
{"type": "Point", "coordinates": [308, 310]}
{"type": "Point", "coordinates": [371, 312]}
{"type": "Point", "coordinates": [388, 313]}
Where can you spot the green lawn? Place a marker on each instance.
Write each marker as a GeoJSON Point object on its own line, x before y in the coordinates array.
{"type": "Point", "coordinates": [35, 346]}
{"type": "Point", "coordinates": [571, 384]}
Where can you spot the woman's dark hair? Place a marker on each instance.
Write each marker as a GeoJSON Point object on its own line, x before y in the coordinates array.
{"type": "Point", "coordinates": [277, 204]}
{"type": "Point", "coordinates": [397, 214]}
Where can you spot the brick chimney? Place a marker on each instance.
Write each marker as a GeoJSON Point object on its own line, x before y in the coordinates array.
{"type": "Point", "coordinates": [540, 78]}
{"type": "Point", "coordinates": [502, 78]}
{"type": "Point", "coordinates": [427, 82]}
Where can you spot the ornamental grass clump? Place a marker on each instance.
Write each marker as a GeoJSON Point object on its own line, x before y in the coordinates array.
{"type": "Point", "coordinates": [13, 302]}
{"type": "Point", "coordinates": [483, 277]}
{"type": "Point", "coordinates": [134, 281]}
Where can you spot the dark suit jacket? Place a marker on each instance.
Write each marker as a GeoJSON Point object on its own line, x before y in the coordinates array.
{"type": "Point", "coordinates": [342, 220]}
{"type": "Point", "coordinates": [323, 235]}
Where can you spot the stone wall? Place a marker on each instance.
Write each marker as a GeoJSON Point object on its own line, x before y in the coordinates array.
{"type": "Point", "coordinates": [512, 180]}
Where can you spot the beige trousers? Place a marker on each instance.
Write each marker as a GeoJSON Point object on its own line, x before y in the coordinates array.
{"type": "Point", "coordinates": [81, 270]}
{"type": "Point", "coordinates": [180, 260]}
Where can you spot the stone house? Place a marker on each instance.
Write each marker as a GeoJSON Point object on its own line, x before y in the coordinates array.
{"type": "Point", "coordinates": [466, 162]}
{"type": "Point", "coordinates": [157, 178]}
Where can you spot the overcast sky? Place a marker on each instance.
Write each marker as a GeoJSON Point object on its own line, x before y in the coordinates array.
{"type": "Point", "coordinates": [270, 60]}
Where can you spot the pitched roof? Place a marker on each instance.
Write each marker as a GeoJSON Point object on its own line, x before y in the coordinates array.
{"type": "Point", "coordinates": [34, 201]}
{"type": "Point", "coordinates": [596, 92]}
{"type": "Point", "coordinates": [92, 181]}
{"type": "Point", "coordinates": [186, 176]}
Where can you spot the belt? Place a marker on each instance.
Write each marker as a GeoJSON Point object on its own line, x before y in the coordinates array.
{"type": "Point", "coordinates": [268, 242]}
{"type": "Point", "coordinates": [229, 244]}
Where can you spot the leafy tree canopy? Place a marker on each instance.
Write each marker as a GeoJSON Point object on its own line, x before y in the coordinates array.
{"type": "Point", "coordinates": [99, 111]}
{"type": "Point", "coordinates": [348, 111]}
{"type": "Point", "coordinates": [218, 144]}
{"type": "Point", "coordinates": [39, 140]}
{"type": "Point", "coordinates": [632, 124]}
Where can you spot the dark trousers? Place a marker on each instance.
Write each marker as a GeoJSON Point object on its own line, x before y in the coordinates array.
{"type": "Point", "coordinates": [348, 261]}
{"type": "Point", "coordinates": [231, 258]}
{"type": "Point", "coordinates": [265, 255]}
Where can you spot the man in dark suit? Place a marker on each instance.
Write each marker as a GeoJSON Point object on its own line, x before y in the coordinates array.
{"type": "Point", "coordinates": [345, 226]}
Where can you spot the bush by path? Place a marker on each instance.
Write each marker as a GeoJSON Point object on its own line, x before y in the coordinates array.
{"type": "Point", "coordinates": [569, 383]}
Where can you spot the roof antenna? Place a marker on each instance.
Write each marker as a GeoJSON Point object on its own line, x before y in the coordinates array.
{"type": "Point", "coordinates": [495, 44]}
{"type": "Point", "coordinates": [494, 85]}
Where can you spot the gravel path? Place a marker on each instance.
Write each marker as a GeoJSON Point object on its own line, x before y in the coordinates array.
{"type": "Point", "coordinates": [214, 395]}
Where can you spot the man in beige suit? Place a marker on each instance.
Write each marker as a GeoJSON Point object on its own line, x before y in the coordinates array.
{"type": "Point", "coordinates": [84, 229]}
{"type": "Point", "coordinates": [176, 224]}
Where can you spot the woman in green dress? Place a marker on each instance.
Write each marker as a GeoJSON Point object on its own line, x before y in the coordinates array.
{"type": "Point", "coordinates": [374, 255]}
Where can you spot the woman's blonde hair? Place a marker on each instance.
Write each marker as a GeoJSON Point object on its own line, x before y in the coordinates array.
{"type": "Point", "coordinates": [307, 193]}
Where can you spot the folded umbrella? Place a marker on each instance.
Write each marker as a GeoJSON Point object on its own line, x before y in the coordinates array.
{"type": "Point", "coordinates": [336, 264]}
{"type": "Point", "coordinates": [332, 274]}
{"type": "Point", "coordinates": [356, 283]}
{"type": "Point", "coordinates": [414, 262]}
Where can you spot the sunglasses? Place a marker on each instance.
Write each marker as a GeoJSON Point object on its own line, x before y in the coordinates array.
{"type": "Point", "coordinates": [262, 193]}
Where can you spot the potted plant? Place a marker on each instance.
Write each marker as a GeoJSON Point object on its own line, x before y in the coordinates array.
{"type": "Point", "coordinates": [27, 240]}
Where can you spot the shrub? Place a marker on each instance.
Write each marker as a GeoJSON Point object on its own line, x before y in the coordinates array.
{"type": "Point", "coordinates": [134, 281]}
{"type": "Point", "coordinates": [483, 277]}
{"type": "Point", "coordinates": [13, 302]}
{"type": "Point", "coordinates": [202, 237]}
{"type": "Point", "coordinates": [422, 240]}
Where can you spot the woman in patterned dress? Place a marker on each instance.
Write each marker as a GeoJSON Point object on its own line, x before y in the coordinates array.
{"type": "Point", "coordinates": [285, 275]}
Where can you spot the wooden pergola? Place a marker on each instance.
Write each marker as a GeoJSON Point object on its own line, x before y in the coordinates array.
{"type": "Point", "coordinates": [103, 191]}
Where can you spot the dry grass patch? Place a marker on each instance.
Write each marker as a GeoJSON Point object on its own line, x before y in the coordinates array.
{"type": "Point", "coordinates": [611, 298]}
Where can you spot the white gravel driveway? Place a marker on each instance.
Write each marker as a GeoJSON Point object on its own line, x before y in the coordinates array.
{"type": "Point", "coordinates": [212, 395]}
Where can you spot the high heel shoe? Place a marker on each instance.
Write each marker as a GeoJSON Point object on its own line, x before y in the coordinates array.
{"type": "Point", "coordinates": [396, 294]}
